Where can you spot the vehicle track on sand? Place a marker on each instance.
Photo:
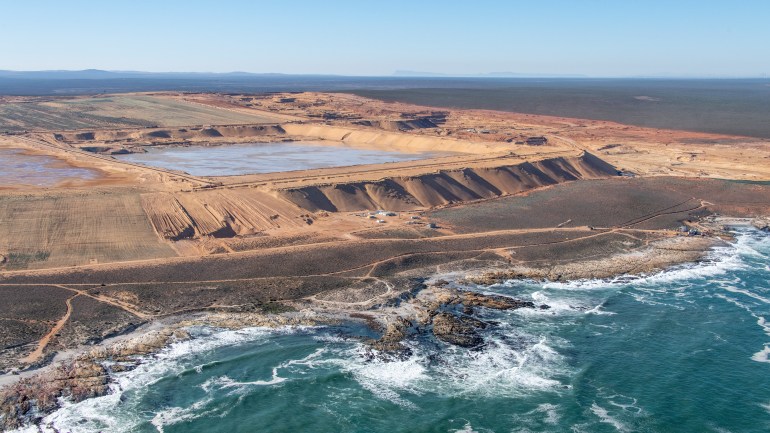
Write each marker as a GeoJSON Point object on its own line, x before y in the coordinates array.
{"type": "Point", "coordinates": [106, 300]}
{"type": "Point", "coordinates": [595, 232]}
{"type": "Point", "coordinates": [41, 345]}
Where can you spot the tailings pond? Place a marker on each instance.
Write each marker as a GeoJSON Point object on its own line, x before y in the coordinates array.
{"type": "Point", "coordinates": [237, 159]}
{"type": "Point", "coordinates": [21, 168]}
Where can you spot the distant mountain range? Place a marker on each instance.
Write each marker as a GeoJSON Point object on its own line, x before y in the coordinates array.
{"type": "Point", "coordinates": [99, 74]}
{"type": "Point", "coordinates": [96, 74]}
{"type": "Point", "coordinates": [484, 75]}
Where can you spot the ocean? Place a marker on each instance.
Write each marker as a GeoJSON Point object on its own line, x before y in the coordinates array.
{"type": "Point", "coordinates": [684, 350]}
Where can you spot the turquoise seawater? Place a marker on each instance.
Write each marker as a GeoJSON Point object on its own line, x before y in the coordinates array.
{"type": "Point", "coordinates": [685, 350]}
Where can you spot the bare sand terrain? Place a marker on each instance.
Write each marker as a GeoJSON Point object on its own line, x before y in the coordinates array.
{"type": "Point", "coordinates": [87, 257]}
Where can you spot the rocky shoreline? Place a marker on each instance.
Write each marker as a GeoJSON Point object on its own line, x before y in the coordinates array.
{"type": "Point", "coordinates": [437, 307]}
{"type": "Point", "coordinates": [657, 256]}
{"type": "Point", "coordinates": [88, 373]}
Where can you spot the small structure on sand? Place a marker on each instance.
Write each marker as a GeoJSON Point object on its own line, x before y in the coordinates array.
{"type": "Point", "coordinates": [537, 141]}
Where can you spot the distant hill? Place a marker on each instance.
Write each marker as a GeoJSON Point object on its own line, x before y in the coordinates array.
{"type": "Point", "coordinates": [96, 74]}
{"type": "Point", "coordinates": [483, 75]}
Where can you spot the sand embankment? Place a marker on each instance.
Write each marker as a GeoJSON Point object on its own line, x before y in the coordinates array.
{"type": "Point", "coordinates": [172, 134]}
{"type": "Point", "coordinates": [390, 138]}
{"type": "Point", "coordinates": [444, 187]}
{"type": "Point", "coordinates": [221, 213]}
{"type": "Point", "coordinates": [382, 139]}
{"type": "Point", "coordinates": [244, 211]}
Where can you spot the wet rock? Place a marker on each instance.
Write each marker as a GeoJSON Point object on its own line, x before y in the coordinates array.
{"type": "Point", "coordinates": [28, 400]}
{"type": "Point", "coordinates": [516, 273]}
{"type": "Point", "coordinates": [472, 299]}
{"type": "Point", "coordinates": [460, 331]}
{"type": "Point", "coordinates": [469, 300]}
{"type": "Point", "coordinates": [762, 224]}
{"type": "Point", "coordinates": [395, 332]}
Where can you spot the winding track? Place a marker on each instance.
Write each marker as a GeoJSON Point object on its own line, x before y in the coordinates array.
{"type": "Point", "coordinates": [36, 354]}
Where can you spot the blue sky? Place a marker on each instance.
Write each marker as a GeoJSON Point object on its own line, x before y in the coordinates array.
{"type": "Point", "coordinates": [589, 37]}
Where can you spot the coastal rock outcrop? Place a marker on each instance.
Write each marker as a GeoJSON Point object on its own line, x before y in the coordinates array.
{"type": "Point", "coordinates": [458, 330]}
{"type": "Point", "coordinates": [28, 400]}
{"type": "Point", "coordinates": [657, 256]}
{"type": "Point", "coordinates": [495, 302]}
{"type": "Point", "coordinates": [446, 313]}
{"type": "Point", "coordinates": [762, 224]}
{"type": "Point", "coordinates": [391, 340]}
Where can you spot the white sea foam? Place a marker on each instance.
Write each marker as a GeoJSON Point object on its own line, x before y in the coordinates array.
{"type": "Point", "coordinates": [175, 415]}
{"type": "Point", "coordinates": [108, 412]}
{"type": "Point", "coordinates": [551, 413]}
{"type": "Point", "coordinates": [627, 404]}
{"type": "Point", "coordinates": [467, 428]}
{"type": "Point", "coordinates": [497, 370]}
{"type": "Point", "coordinates": [763, 355]}
{"type": "Point", "coordinates": [765, 406]}
{"type": "Point", "coordinates": [386, 378]}
{"type": "Point", "coordinates": [763, 324]}
{"type": "Point", "coordinates": [606, 418]}
{"type": "Point", "coordinates": [561, 305]}
{"type": "Point", "coordinates": [541, 418]}
{"type": "Point", "coordinates": [748, 293]}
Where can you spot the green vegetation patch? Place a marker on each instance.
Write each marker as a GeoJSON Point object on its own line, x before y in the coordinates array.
{"type": "Point", "coordinates": [17, 260]}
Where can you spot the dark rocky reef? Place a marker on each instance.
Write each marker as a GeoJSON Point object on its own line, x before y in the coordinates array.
{"type": "Point", "coordinates": [458, 330]}
{"type": "Point", "coordinates": [447, 314]}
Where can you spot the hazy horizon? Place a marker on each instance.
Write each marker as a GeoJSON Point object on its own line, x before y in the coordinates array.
{"type": "Point", "coordinates": [5, 73]}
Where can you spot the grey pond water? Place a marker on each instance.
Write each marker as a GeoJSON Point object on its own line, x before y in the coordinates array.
{"type": "Point", "coordinates": [236, 159]}
{"type": "Point", "coordinates": [18, 167]}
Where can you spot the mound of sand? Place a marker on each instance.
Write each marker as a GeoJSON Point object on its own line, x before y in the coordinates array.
{"type": "Point", "coordinates": [444, 187]}
{"type": "Point", "coordinates": [155, 134]}
{"type": "Point", "coordinates": [392, 140]}
{"type": "Point", "coordinates": [398, 125]}
{"type": "Point", "coordinates": [221, 213]}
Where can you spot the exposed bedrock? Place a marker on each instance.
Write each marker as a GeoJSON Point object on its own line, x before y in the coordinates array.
{"type": "Point", "coordinates": [762, 224]}
{"type": "Point", "coordinates": [458, 330]}
{"type": "Point", "coordinates": [436, 310]}
{"type": "Point", "coordinates": [28, 400]}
